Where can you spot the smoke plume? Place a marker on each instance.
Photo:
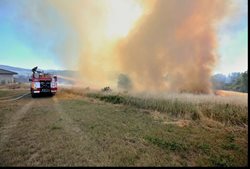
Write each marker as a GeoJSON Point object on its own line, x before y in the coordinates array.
{"type": "Point", "coordinates": [171, 46]}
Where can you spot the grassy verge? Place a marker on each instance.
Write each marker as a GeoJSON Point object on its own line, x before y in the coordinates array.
{"type": "Point", "coordinates": [225, 113]}
{"type": "Point", "coordinates": [125, 136]}
{"type": "Point", "coordinates": [4, 94]}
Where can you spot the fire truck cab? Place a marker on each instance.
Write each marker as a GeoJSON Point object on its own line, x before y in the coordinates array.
{"type": "Point", "coordinates": [42, 83]}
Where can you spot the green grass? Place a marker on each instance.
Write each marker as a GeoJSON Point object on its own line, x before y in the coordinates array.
{"type": "Point", "coordinates": [173, 146]}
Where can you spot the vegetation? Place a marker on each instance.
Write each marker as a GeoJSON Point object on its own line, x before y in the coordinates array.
{"type": "Point", "coordinates": [222, 112]}
{"type": "Point", "coordinates": [108, 129]}
{"type": "Point", "coordinates": [106, 89]}
{"type": "Point", "coordinates": [124, 82]}
{"type": "Point", "coordinates": [234, 82]}
{"type": "Point", "coordinates": [11, 92]}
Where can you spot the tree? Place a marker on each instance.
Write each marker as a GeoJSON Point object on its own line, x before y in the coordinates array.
{"type": "Point", "coordinates": [235, 81]}
{"type": "Point", "coordinates": [244, 81]}
{"type": "Point", "coordinates": [124, 82]}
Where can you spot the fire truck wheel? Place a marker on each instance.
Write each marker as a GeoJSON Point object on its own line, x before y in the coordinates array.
{"type": "Point", "coordinates": [33, 95]}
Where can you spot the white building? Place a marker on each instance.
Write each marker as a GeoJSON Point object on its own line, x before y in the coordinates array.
{"type": "Point", "coordinates": [6, 76]}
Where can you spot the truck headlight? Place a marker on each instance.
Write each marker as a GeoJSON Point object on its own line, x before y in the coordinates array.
{"type": "Point", "coordinates": [35, 85]}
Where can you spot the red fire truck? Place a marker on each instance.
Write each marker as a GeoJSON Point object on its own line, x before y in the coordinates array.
{"type": "Point", "coordinates": [42, 83]}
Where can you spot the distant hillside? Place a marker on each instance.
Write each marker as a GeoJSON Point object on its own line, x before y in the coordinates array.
{"type": "Point", "coordinates": [23, 74]}
{"type": "Point", "coordinates": [20, 71]}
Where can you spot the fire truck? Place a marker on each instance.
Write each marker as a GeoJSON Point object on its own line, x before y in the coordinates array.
{"type": "Point", "coordinates": [42, 83]}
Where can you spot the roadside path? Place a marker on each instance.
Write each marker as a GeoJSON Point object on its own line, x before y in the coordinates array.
{"type": "Point", "coordinates": [7, 129]}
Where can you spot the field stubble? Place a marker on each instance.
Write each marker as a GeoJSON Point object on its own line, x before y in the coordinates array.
{"type": "Point", "coordinates": [80, 127]}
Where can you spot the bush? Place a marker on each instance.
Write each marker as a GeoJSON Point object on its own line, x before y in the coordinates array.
{"type": "Point", "coordinates": [106, 89]}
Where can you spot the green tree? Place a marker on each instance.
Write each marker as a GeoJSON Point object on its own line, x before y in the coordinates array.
{"type": "Point", "coordinates": [124, 82]}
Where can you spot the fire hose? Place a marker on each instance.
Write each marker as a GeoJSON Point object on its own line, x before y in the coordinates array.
{"type": "Point", "coordinates": [14, 99]}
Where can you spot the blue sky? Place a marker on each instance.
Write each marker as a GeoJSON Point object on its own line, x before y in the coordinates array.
{"type": "Point", "coordinates": [233, 42]}
{"type": "Point", "coordinates": [22, 45]}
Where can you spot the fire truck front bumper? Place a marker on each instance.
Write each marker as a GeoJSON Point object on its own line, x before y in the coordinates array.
{"type": "Point", "coordinates": [53, 90]}
{"type": "Point", "coordinates": [36, 91]}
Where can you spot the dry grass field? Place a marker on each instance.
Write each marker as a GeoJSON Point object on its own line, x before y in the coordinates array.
{"type": "Point", "coordinates": [79, 127]}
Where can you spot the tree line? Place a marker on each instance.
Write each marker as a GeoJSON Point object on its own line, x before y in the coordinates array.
{"type": "Point", "coordinates": [235, 81]}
